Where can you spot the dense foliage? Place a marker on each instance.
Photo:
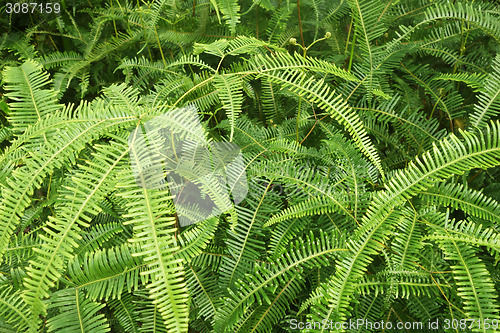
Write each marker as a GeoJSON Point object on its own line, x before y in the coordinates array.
{"type": "Point", "coordinates": [371, 138]}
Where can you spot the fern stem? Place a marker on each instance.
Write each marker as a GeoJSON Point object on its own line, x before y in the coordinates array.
{"type": "Point", "coordinates": [257, 22]}
{"type": "Point", "coordinates": [114, 22]}
{"type": "Point", "coordinates": [463, 41]}
{"type": "Point", "coordinates": [300, 25]}
{"type": "Point", "coordinates": [159, 46]}
{"type": "Point", "coordinates": [352, 48]}
{"type": "Point", "coordinates": [298, 118]}
{"type": "Point", "coordinates": [349, 35]}
{"type": "Point", "coordinates": [144, 30]}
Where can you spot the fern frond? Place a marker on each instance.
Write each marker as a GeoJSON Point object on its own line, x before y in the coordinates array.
{"type": "Point", "coordinates": [452, 156]}
{"type": "Point", "coordinates": [13, 310]}
{"type": "Point", "coordinates": [244, 243]}
{"type": "Point", "coordinates": [406, 244]}
{"type": "Point", "coordinates": [105, 274]}
{"type": "Point", "coordinates": [316, 91]}
{"type": "Point", "coordinates": [312, 206]}
{"type": "Point", "coordinates": [231, 12]}
{"type": "Point", "coordinates": [469, 233]}
{"type": "Point", "coordinates": [62, 147]}
{"type": "Point", "coordinates": [60, 59]}
{"type": "Point", "coordinates": [489, 101]}
{"type": "Point", "coordinates": [231, 96]}
{"type": "Point", "coordinates": [258, 287]}
{"type": "Point", "coordinates": [76, 313]}
{"type": "Point", "coordinates": [150, 211]}
{"type": "Point", "coordinates": [125, 311]}
{"type": "Point", "coordinates": [474, 80]}
{"type": "Point", "coordinates": [195, 239]}
{"type": "Point", "coordinates": [149, 315]}
{"type": "Point", "coordinates": [402, 284]}
{"type": "Point", "coordinates": [369, 24]}
{"type": "Point", "coordinates": [475, 286]}
{"type": "Point", "coordinates": [30, 101]}
{"type": "Point", "coordinates": [205, 292]}
{"type": "Point", "coordinates": [455, 11]}
{"type": "Point", "coordinates": [460, 197]}
{"type": "Point", "coordinates": [97, 235]}
{"type": "Point", "coordinates": [89, 187]}
{"type": "Point", "coordinates": [278, 22]}
{"type": "Point", "coordinates": [283, 233]}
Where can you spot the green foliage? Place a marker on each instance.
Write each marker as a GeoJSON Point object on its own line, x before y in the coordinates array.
{"type": "Point", "coordinates": [370, 135]}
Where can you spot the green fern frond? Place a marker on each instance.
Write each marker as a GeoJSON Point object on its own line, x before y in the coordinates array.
{"type": "Point", "coordinates": [125, 311]}
{"type": "Point", "coordinates": [230, 10]}
{"type": "Point", "coordinates": [62, 147]}
{"type": "Point", "coordinates": [278, 22]}
{"type": "Point", "coordinates": [469, 233]}
{"type": "Point", "coordinates": [283, 233]}
{"type": "Point", "coordinates": [90, 184]}
{"type": "Point", "coordinates": [60, 59]}
{"type": "Point", "coordinates": [30, 101]}
{"type": "Point", "coordinates": [489, 101]}
{"type": "Point", "coordinates": [151, 213]}
{"type": "Point", "coordinates": [97, 235]}
{"type": "Point", "coordinates": [316, 91]}
{"type": "Point", "coordinates": [459, 196]}
{"type": "Point", "coordinates": [205, 292]}
{"type": "Point", "coordinates": [257, 288]}
{"type": "Point", "coordinates": [406, 244]}
{"type": "Point", "coordinates": [312, 206]}
{"type": "Point", "coordinates": [105, 274]}
{"type": "Point", "coordinates": [149, 315]}
{"type": "Point", "coordinates": [76, 313]}
{"type": "Point", "coordinates": [402, 284]}
{"type": "Point", "coordinates": [474, 80]}
{"type": "Point", "coordinates": [13, 310]}
{"type": "Point", "coordinates": [452, 156]}
{"type": "Point", "coordinates": [475, 287]}
{"type": "Point", "coordinates": [231, 96]}
{"type": "Point", "coordinates": [369, 24]}
{"type": "Point", "coordinates": [194, 240]}
{"type": "Point", "coordinates": [244, 243]}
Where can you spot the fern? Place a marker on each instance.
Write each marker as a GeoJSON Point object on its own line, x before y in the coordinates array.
{"type": "Point", "coordinates": [33, 103]}
{"type": "Point", "coordinates": [76, 313]}
{"type": "Point", "coordinates": [489, 101]}
{"type": "Point", "coordinates": [230, 9]}
{"type": "Point", "coordinates": [346, 155]}
{"type": "Point", "coordinates": [452, 157]}
{"type": "Point", "coordinates": [477, 293]}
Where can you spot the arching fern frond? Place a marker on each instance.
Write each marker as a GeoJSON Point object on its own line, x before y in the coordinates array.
{"type": "Point", "coordinates": [231, 11]}
{"type": "Point", "coordinates": [489, 100]}
{"type": "Point", "coordinates": [475, 287]}
{"type": "Point", "coordinates": [460, 197]}
{"type": "Point", "coordinates": [105, 274]}
{"type": "Point", "coordinates": [257, 289]}
{"type": "Point", "coordinates": [76, 313]}
{"type": "Point", "coordinates": [30, 101]}
{"type": "Point", "coordinates": [90, 184]}
{"type": "Point", "coordinates": [451, 156]}
{"type": "Point", "coordinates": [150, 211]}
{"type": "Point", "coordinates": [231, 96]}
{"type": "Point", "coordinates": [316, 91]}
{"type": "Point", "coordinates": [13, 310]}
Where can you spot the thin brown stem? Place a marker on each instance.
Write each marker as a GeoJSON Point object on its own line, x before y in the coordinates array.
{"type": "Point", "coordinates": [300, 25]}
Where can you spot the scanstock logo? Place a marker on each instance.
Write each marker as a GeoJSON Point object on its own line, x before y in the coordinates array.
{"type": "Point", "coordinates": [174, 152]}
